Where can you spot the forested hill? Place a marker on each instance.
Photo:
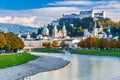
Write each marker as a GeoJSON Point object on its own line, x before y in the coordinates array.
{"type": "Point", "coordinates": [15, 28]}
{"type": "Point", "coordinates": [86, 23]}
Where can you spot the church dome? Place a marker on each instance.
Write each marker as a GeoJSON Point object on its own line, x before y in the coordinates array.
{"type": "Point", "coordinates": [45, 31]}
{"type": "Point", "coordinates": [39, 36]}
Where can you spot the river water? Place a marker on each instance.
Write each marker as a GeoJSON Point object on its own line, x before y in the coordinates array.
{"type": "Point", "coordinates": [83, 67]}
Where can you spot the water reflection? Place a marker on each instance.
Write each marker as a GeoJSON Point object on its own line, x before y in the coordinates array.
{"type": "Point", "coordinates": [84, 68]}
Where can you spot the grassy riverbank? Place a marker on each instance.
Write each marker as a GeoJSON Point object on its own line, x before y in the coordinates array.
{"type": "Point", "coordinates": [48, 50]}
{"type": "Point", "coordinates": [15, 59]}
{"type": "Point", "coordinates": [98, 52]}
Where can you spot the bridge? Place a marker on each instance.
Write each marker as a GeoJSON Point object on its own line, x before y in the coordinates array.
{"type": "Point", "coordinates": [31, 48]}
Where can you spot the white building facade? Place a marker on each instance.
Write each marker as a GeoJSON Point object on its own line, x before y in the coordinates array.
{"type": "Point", "coordinates": [86, 14]}
{"type": "Point", "coordinates": [97, 32]}
{"type": "Point", "coordinates": [59, 33]}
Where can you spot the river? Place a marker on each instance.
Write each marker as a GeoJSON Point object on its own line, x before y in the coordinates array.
{"type": "Point", "coordinates": [82, 67]}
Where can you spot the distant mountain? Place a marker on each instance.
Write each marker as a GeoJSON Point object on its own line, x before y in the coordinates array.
{"type": "Point", "coordinates": [15, 28]}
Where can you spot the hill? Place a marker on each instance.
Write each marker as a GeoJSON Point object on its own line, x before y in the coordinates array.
{"type": "Point", "coordinates": [15, 28]}
{"type": "Point", "coordinates": [75, 27]}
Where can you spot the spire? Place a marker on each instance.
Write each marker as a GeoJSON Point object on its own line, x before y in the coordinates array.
{"type": "Point", "coordinates": [55, 26]}
{"type": "Point", "coordinates": [95, 24]}
{"type": "Point", "coordinates": [109, 29]}
{"type": "Point", "coordinates": [99, 24]}
{"type": "Point", "coordinates": [64, 27]}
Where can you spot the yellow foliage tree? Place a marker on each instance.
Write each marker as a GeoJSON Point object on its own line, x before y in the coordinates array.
{"type": "Point", "coordinates": [55, 43]}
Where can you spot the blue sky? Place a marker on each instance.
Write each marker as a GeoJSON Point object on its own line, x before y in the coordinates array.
{"type": "Point", "coordinates": [39, 12]}
{"type": "Point", "coordinates": [23, 5]}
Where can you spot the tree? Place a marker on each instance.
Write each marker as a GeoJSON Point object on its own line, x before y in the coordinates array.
{"type": "Point", "coordinates": [103, 43]}
{"type": "Point", "coordinates": [96, 42]}
{"type": "Point", "coordinates": [80, 29]}
{"type": "Point", "coordinates": [63, 44]}
{"type": "Point", "coordinates": [112, 43]}
{"type": "Point", "coordinates": [39, 31]}
{"type": "Point", "coordinates": [10, 38]}
{"type": "Point", "coordinates": [118, 42]}
{"type": "Point", "coordinates": [18, 43]}
{"type": "Point", "coordinates": [55, 43]}
{"type": "Point", "coordinates": [13, 42]}
{"type": "Point", "coordinates": [33, 35]}
{"type": "Point", "coordinates": [47, 44]}
{"type": "Point", "coordinates": [2, 41]}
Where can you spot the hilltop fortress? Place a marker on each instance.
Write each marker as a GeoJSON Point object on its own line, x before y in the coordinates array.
{"type": "Point", "coordinates": [84, 14]}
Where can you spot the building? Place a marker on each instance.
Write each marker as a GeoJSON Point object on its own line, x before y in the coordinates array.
{"type": "Point", "coordinates": [19, 34]}
{"type": "Point", "coordinates": [28, 37]}
{"type": "Point", "coordinates": [59, 33]}
{"type": "Point", "coordinates": [45, 31]}
{"type": "Point", "coordinates": [86, 14]}
{"type": "Point", "coordinates": [97, 32]}
{"type": "Point", "coordinates": [92, 13]}
{"type": "Point", "coordinates": [71, 16]}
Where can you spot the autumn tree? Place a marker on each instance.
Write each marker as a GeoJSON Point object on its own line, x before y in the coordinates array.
{"type": "Point", "coordinates": [55, 43]}
{"type": "Point", "coordinates": [2, 40]}
{"type": "Point", "coordinates": [63, 43]}
{"type": "Point", "coordinates": [112, 43]}
{"type": "Point", "coordinates": [18, 43]}
{"type": "Point", "coordinates": [13, 42]}
{"type": "Point", "coordinates": [118, 42]}
{"type": "Point", "coordinates": [47, 44]}
{"type": "Point", "coordinates": [10, 38]}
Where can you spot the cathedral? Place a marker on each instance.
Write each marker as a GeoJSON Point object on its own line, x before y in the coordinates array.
{"type": "Point", "coordinates": [59, 33]}
{"type": "Point", "coordinates": [97, 32]}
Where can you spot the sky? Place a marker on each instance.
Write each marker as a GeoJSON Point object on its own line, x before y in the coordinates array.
{"type": "Point", "coordinates": [37, 13]}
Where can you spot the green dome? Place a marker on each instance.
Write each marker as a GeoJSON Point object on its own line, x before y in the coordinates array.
{"type": "Point", "coordinates": [45, 31]}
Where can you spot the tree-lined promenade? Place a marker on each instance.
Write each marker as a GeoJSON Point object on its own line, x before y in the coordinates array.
{"type": "Point", "coordinates": [102, 43]}
{"type": "Point", "coordinates": [10, 42]}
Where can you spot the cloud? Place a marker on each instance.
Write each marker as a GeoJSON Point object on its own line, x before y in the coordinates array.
{"type": "Point", "coordinates": [41, 16]}
{"type": "Point", "coordinates": [86, 4]}
{"type": "Point", "coordinates": [18, 20]}
{"type": "Point", "coordinates": [70, 3]}
{"type": "Point", "coordinates": [35, 17]}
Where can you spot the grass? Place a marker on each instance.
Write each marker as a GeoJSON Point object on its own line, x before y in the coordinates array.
{"type": "Point", "coordinates": [48, 50]}
{"type": "Point", "coordinates": [15, 59]}
{"type": "Point", "coordinates": [98, 52]}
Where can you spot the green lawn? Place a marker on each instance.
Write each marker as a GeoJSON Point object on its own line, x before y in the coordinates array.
{"type": "Point", "coordinates": [48, 50]}
{"type": "Point", "coordinates": [98, 52]}
{"type": "Point", "coordinates": [15, 59]}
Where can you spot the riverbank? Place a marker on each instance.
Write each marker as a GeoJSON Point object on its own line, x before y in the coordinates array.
{"type": "Point", "coordinates": [10, 59]}
{"type": "Point", "coordinates": [96, 52]}
{"type": "Point", "coordinates": [41, 64]}
{"type": "Point", "coordinates": [48, 50]}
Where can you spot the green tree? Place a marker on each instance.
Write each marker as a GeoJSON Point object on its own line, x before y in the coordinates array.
{"type": "Point", "coordinates": [80, 29]}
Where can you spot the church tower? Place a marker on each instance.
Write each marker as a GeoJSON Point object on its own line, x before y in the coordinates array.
{"type": "Point", "coordinates": [54, 31]}
{"type": "Point", "coordinates": [92, 13]}
{"type": "Point", "coordinates": [19, 34]}
{"type": "Point", "coordinates": [64, 31]}
{"type": "Point", "coordinates": [95, 31]}
{"type": "Point", "coordinates": [28, 36]}
{"type": "Point", "coordinates": [103, 14]}
{"type": "Point", "coordinates": [100, 27]}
